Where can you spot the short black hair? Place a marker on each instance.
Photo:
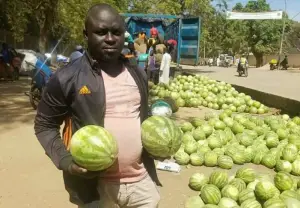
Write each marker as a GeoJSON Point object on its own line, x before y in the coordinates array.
{"type": "Point", "coordinates": [95, 9]}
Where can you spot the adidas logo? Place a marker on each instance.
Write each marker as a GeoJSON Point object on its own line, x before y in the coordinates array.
{"type": "Point", "coordinates": [84, 90]}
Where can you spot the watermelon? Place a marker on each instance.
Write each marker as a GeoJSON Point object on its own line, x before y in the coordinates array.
{"type": "Point", "coordinates": [274, 203]}
{"type": "Point", "coordinates": [266, 190]}
{"type": "Point", "coordinates": [238, 183]}
{"type": "Point", "coordinates": [210, 159]}
{"type": "Point", "coordinates": [225, 162]}
{"type": "Point", "coordinates": [160, 136]}
{"type": "Point", "coordinates": [219, 179]}
{"type": "Point", "coordinates": [94, 148]}
{"type": "Point", "coordinates": [283, 181]}
{"type": "Point", "coordinates": [251, 203]}
{"type": "Point", "coordinates": [245, 195]}
{"type": "Point", "coordinates": [210, 194]}
{"type": "Point", "coordinates": [231, 192]}
{"type": "Point", "coordinates": [197, 181]}
{"type": "Point", "coordinates": [246, 174]}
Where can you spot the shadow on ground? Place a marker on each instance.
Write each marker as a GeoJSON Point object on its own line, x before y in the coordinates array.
{"type": "Point", "coordinates": [14, 104]}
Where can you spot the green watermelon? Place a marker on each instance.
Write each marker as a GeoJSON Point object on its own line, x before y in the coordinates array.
{"type": "Point", "coordinates": [274, 203]}
{"type": "Point", "coordinates": [251, 203]}
{"type": "Point", "coordinates": [238, 183]}
{"type": "Point", "coordinates": [245, 195]}
{"type": "Point", "coordinates": [160, 136]}
{"type": "Point", "coordinates": [283, 181]}
{"type": "Point", "coordinates": [219, 179]}
{"type": "Point", "coordinates": [93, 148]}
{"type": "Point", "coordinates": [210, 194]}
{"type": "Point", "coordinates": [225, 162]}
{"type": "Point", "coordinates": [246, 174]}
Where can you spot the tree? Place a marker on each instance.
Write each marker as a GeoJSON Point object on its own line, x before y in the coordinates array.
{"type": "Point", "coordinates": [44, 12]}
{"type": "Point", "coordinates": [293, 38]}
{"type": "Point", "coordinates": [263, 36]}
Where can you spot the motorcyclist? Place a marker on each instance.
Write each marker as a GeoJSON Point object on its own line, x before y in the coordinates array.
{"type": "Point", "coordinates": [243, 62]}
{"type": "Point", "coordinates": [285, 63]}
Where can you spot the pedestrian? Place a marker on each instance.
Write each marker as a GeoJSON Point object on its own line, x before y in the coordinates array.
{"type": "Point", "coordinates": [77, 53]}
{"type": "Point", "coordinates": [165, 67]}
{"type": "Point", "coordinates": [102, 88]}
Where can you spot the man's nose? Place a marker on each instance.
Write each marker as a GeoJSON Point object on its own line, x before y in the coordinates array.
{"type": "Point", "coordinates": [110, 38]}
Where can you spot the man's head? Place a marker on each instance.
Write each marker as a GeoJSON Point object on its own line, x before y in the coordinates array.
{"type": "Point", "coordinates": [104, 31]}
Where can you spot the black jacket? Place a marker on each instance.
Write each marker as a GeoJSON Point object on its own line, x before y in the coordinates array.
{"type": "Point", "coordinates": [63, 102]}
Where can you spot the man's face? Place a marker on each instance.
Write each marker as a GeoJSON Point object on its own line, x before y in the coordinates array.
{"type": "Point", "coordinates": [105, 36]}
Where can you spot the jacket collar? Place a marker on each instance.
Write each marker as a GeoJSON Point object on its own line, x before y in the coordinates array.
{"type": "Point", "coordinates": [95, 64]}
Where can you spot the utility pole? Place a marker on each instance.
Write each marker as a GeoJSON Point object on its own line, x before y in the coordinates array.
{"type": "Point", "coordinates": [283, 30]}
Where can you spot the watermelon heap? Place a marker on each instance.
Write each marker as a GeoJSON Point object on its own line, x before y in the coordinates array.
{"type": "Point", "coordinates": [93, 148]}
{"type": "Point", "coordinates": [160, 136]}
{"type": "Point", "coordinates": [222, 140]}
{"type": "Point", "coordinates": [247, 190]}
{"type": "Point", "coordinates": [195, 91]}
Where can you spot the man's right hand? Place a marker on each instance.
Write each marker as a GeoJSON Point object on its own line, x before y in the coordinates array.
{"type": "Point", "coordinates": [74, 169]}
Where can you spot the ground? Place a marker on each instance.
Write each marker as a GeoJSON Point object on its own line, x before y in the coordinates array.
{"type": "Point", "coordinates": [29, 179]}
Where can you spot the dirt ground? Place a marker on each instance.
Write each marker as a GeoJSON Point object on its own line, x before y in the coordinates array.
{"type": "Point", "coordinates": [29, 179]}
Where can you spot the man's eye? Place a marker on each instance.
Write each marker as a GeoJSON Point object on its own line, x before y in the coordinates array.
{"type": "Point", "coordinates": [101, 33]}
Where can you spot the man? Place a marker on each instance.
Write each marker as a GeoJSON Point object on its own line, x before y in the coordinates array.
{"type": "Point", "coordinates": [40, 56]}
{"type": "Point", "coordinates": [101, 88]}
{"type": "Point", "coordinates": [77, 53]}
{"type": "Point", "coordinates": [242, 62]}
{"type": "Point", "coordinates": [285, 63]}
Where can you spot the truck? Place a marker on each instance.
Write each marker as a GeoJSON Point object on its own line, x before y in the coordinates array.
{"type": "Point", "coordinates": [186, 31]}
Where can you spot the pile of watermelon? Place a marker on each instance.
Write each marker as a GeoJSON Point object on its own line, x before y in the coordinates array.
{"type": "Point", "coordinates": [227, 139]}
{"type": "Point", "coordinates": [246, 189]}
{"type": "Point", "coordinates": [195, 91]}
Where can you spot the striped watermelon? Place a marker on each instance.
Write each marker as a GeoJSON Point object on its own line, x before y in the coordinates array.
{"type": "Point", "coordinates": [231, 192]}
{"type": "Point", "coordinates": [219, 179]}
{"type": "Point", "coordinates": [245, 195]}
{"type": "Point", "coordinates": [251, 203]}
{"type": "Point", "coordinates": [283, 181]}
{"type": "Point", "coordinates": [93, 148]}
{"type": "Point", "coordinates": [160, 136]}
{"type": "Point", "coordinates": [289, 194]}
{"type": "Point", "coordinates": [210, 159]}
{"type": "Point", "coordinates": [238, 183]}
{"type": "Point", "coordinates": [210, 194]}
{"type": "Point", "coordinates": [274, 203]}
{"type": "Point", "coordinates": [246, 174]}
{"type": "Point", "coordinates": [225, 162]}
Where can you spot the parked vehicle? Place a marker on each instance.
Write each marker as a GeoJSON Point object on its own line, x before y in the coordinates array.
{"type": "Point", "coordinates": [184, 30]}
{"type": "Point", "coordinates": [40, 75]}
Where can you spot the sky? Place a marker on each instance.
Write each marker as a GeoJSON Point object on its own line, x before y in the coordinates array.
{"type": "Point", "coordinates": [293, 6]}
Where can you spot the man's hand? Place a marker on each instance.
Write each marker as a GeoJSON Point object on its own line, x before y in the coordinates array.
{"type": "Point", "coordinates": [74, 169]}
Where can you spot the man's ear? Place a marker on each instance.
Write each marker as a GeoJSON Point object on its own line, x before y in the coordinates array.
{"type": "Point", "coordinates": [84, 33]}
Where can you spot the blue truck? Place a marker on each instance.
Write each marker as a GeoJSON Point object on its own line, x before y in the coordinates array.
{"type": "Point", "coordinates": [185, 30]}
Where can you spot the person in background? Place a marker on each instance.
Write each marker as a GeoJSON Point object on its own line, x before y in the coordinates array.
{"type": "Point", "coordinates": [153, 32]}
{"type": "Point", "coordinates": [165, 67]}
{"type": "Point", "coordinates": [285, 62]}
{"type": "Point", "coordinates": [242, 62]}
{"type": "Point", "coordinates": [79, 51]}
{"type": "Point", "coordinates": [40, 56]}
{"type": "Point", "coordinates": [128, 38]}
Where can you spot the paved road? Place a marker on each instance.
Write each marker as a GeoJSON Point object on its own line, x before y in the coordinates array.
{"type": "Point", "coordinates": [282, 83]}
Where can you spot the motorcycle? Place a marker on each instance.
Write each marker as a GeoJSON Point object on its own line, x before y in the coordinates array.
{"type": "Point", "coordinates": [38, 82]}
{"type": "Point", "coordinates": [273, 64]}
{"type": "Point", "coordinates": [243, 70]}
